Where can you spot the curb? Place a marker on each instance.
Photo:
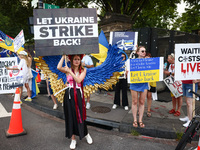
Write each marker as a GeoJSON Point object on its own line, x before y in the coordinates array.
{"type": "Point", "coordinates": [47, 110]}
{"type": "Point", "coordinates": [148, 131]}
{"type": "Point", "coordinates": [122, 127]}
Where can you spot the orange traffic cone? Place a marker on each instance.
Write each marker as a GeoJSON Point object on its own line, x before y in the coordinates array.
{"type": "Point", "coordinates": [15, 128]}
{"type": "Point", "coordinates": [198, 148]}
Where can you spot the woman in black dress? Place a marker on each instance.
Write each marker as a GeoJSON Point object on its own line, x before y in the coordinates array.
{"type": "Point", "coordinates": [74, 102]}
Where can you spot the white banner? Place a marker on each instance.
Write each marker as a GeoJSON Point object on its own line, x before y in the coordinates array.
{"type": "Point", "coordinates": [19, 41]}
{"type": "Point", "coordinates": [9, 78]}
{"type": "Point", "coordinates": [174, 86]}
{"type": "Point", "coordinates": [187, 61]}
{"type": "Point", "coordinates": [65, 31]}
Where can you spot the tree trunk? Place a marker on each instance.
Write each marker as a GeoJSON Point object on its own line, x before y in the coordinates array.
{"type": "Point", "coordinates": [115, 22]}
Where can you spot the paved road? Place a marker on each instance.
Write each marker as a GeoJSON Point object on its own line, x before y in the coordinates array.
{"type": "Point", "coordinates": [45, 132]}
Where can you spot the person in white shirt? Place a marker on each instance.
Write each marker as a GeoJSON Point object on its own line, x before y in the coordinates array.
{"type": "Point", "coordinates": [24, 66]}
{"type": "Point", "coordinates": [87, 63]}
{"type": "Point", "coordinates": [176, 102]}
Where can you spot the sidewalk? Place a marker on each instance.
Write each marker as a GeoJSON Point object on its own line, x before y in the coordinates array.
{"type": "Point", "coordinates": [161, 124]}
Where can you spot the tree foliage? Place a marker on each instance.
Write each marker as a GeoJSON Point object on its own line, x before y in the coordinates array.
{"type": "Point", "coordinates": [158, 14]}
{"type": "Point", "coordinates": [190, 20]}
{"type": "Point", "coordinates": [144, 13]}
{"type": "Point", "coordinates": [14, 15]}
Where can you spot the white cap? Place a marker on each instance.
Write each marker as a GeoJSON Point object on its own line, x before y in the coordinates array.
{"type": "Point", "coordinates": [23, 53]}
{"type": "Point", "coordinates": [172, 54]}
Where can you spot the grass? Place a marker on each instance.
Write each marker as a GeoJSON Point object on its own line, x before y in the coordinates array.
{"type": "Point", "coordinates": [135, 133]}
{"type": "Point", "coordinates": [179, 134]}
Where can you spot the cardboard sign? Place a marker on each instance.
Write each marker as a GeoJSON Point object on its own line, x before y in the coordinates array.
{"type": "Point", "coordinates": [174, 86]}
{"type": "Point", "coordinates": [65, 31]}
{"type": "Point", "coordinates": [145, 70]}
{"type": "Point", "coordinates": [9, 78]}
{"type": "Point", "coordinates": [124, 40]}
{"type": "Point", "coordinates": [187, 61]}
{"type": "Point", "coordinates": [19, 41]}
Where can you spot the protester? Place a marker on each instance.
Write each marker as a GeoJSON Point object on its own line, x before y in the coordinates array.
{"type": "Point", "coordinates": [30, 59]}
{"type": "Point", "coordinates": [87, 63]}
{"type": "Point", "coordinates": [139, 89]}
{"type": "Point", "coordinates": [122, 84]}
{"type": "Point", "coordinates": [55, 106]}
{"type": "Point", "coordinates": [40, 78]}
{"type": "Point", "coordinates": [175, 101]}
{"type": "Point", "coordinates": [152, 89]}
{"type": "Point", "coordinates": [186, 85]}
{"type": "Point", "coordinates": [74, 102]}
{"type": "Point", "coordinates": [24, 66]}
{"type": "Point", "coordinates": [11, 54]}
{"type": "Point", "coordinates": [48, 89]}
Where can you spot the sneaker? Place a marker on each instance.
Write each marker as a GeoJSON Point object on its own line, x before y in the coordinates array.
{"type": "Point", "coordinates": [55, 106]}
{"type": "Point", "coordinates": [28, 99]}
{"type": "Point", "coordinates": [73, 144]}
{"type": "Point", "coordinates": [114, 106]}
{"type": "Point", "coordinates": [184, 119]}
{"type": "Point", "coordinates": [186, 124]}
{"type": "Point", "coordinates": [126, 108]}
{"type": "Point", "coordinates": [89, 139]}
{"type": "Point", "coordinates": [20, 101]}
{"type": "Point", "coordinates": [88, 106]}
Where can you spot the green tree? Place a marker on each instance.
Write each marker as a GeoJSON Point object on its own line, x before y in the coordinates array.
{"type": "Point", "coordinates": [160, 14]}
{"type": "Point", "coordinates": [15, 17]}
{"type": "Point", "coordinates": [190, 20]}
{"type": "Point", "coordinates": [144, 13]}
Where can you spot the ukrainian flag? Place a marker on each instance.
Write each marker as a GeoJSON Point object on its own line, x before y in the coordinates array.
{"type": "Point", "coordinates": [35, 89]}
{"type": "Point", "coordinates": [6, 42]}
{"type": "Point", "coordinates": [103, 48]}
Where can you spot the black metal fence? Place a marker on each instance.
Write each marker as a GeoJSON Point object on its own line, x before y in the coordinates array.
{"type": "Point", "coordinates": [161, 42]}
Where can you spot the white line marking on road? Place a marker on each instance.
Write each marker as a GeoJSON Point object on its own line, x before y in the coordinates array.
{"type": "Point", "coordinates": [3, 112]}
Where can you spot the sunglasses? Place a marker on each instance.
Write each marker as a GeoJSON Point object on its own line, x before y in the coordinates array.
{"type": "Point", "coordinates": [143, 51]}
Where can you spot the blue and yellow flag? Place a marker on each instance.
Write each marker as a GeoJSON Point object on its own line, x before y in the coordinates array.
{"type": "Point", "coordinates": [103, 48]}
{"type": "Point", "coordinates": [35, 89]}
{"type": "Point", "coordinates": [6, 42]}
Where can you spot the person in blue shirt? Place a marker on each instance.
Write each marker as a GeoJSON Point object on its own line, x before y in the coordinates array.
{"type": "Point", "coordinates": [139, 89]}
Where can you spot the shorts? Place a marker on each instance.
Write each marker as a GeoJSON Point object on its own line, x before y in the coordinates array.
{"type": "Point", "coordinates": [152, 89]}
{"type": "Point", "coordinates": [186, 87]}
{"type": "Point", "coordinates": [26, 80]}
{"type": "Point", "coordinates": [139, 87]}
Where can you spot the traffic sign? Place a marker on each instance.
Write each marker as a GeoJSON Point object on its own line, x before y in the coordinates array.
{"type": "Point", "coordinates": [49, 6]}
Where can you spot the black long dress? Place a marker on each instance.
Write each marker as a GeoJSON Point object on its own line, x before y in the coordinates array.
{"type": "Point", "coordinates": [72, 126]}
